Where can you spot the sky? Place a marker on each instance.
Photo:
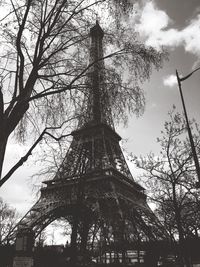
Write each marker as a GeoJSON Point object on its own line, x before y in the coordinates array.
{"type": "Point", "coordinates": [174, 24]}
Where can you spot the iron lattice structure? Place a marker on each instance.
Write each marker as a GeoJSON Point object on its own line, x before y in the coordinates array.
{"type": "Point", "coordinates": [94, 176]}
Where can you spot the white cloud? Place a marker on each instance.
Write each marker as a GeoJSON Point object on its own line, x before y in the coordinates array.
{"type": "Point", "coordinates": [152, 20]}
{"type": "Point", "coordinates": [170, 80]}
{"type": "Point", "coordinates": [191, 36]}
{"type": "Point", "coordinates": [154, 26]}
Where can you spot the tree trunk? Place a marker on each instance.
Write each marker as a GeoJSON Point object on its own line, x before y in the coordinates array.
{"type": "Point", "coordinates": [3, 143]}
{"type": "Point", "coordinates": [8, 125]}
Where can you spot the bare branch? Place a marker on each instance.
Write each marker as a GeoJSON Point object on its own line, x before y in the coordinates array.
{"type": "Point", "coordinates": [29, 152]}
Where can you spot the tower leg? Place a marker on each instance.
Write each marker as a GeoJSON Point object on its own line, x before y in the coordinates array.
{"type": "Point", "coordinates": [74, 235]}
{"type": "Point", "coordinates": [152, 256]}
{"type": "Point", "coordinates": [84, 239]}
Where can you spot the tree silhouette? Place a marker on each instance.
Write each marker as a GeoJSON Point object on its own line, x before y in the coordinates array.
{"type": "Point", "coordinates": [43, 49]}
{"type": "Point", "coordinates": [171, 179]}
{"type": "Point", "coordinates": [8, 218]}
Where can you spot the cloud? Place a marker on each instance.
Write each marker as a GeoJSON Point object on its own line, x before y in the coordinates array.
{"type": "Point", "coordinates": [152, 20]}
{"type": "Point", "coordinates": [156, 26]}
{"type": "Point", "coordinates": [191, 36]}
{"type": "Point", "coordinates": [170, 80]}
{"type": "Point", "coordinates": [17, 191]}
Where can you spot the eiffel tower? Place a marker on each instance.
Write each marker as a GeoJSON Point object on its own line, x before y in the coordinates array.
{"type": "Point", "coordinates": [94, 181]}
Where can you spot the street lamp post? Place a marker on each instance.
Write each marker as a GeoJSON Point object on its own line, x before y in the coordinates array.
{"type": "Point", "coordinates": [194, 153]}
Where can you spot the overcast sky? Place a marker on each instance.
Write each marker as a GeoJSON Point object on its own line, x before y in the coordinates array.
{"type": "Point", "coordinates": [171, 23]}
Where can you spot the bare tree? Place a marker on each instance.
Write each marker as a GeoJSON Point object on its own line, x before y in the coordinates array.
{"type": "Point", "coordinates": [190, 215]}
{"type": "Point", "coordinates": [42, 53]}
{"type": "Point", "coordinates": [171, 179]}
{"type": "Point", "coordinates": [40, 240]}
{"type": "Point", "coordinates": [8, 219]}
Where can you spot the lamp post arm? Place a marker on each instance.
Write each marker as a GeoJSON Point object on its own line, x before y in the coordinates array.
{"type": "Point", "coordinates": [186, 77]}
{"type": "Point", "coordinates": [188, 125]}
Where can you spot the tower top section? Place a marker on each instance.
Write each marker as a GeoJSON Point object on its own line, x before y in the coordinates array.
{"type": "Point", "coordinates": [96, 31]}
{"type": "Point", "coordinates": [96, 108]}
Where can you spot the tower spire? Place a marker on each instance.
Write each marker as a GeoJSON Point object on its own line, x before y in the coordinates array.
{"type": "Point", "coordinates": [96, 106]}
{"type": "Point", "coordinates": [96, 53]}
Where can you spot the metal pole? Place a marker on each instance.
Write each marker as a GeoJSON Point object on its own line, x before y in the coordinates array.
{"type": "Point", "coordinates": [189, 133]}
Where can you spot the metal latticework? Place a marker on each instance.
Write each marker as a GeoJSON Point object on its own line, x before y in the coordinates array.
{"type": "Point", "coordinates": [93, 150]}
{"type": "Point", "coordinates": [96, 105]}
{"type": "Point", "coordinates": [95, 175]}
